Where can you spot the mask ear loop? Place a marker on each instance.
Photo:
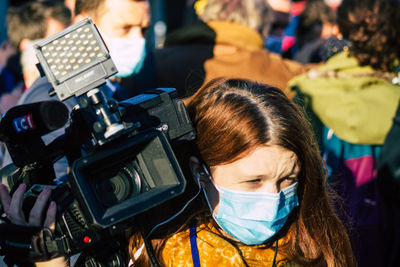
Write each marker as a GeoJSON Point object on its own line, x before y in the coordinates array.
{"type": "Point", "coordinates": [206, 170]}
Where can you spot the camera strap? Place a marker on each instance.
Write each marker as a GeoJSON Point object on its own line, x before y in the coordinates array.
{"type": "Point", "coordinates": [23, 244]}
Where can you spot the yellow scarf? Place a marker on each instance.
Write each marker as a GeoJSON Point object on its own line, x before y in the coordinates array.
{"type": "Point", "coordinates": [215, 251]}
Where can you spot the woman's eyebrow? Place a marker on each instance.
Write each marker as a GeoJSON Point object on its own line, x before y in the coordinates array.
{"type": "Point", "coordinates": [253, 177]}
{"type": "Point", "coordinates": [264, 176]}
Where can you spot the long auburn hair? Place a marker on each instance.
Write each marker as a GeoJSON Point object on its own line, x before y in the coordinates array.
{"type": "Point", "coordinates": [234, 116]}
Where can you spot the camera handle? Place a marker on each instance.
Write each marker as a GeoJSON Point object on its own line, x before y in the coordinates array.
{"type": "Point", "coordinates": [114, 254]}
{"type": "Point", "coordinates": [23, 245]}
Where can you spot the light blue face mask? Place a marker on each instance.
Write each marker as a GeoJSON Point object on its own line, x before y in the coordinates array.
{"type": "Point", "coordinates": [128, 54]}
{"type": "Point", "coordinates": [253, 218]}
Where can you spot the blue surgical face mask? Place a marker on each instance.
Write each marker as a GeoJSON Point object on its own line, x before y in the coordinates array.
{"type": "Point", "coordinates": [128, 54]}
{"type": "Point", "coordinates": [253, 217]}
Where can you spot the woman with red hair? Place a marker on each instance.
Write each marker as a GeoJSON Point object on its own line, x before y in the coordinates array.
{"type": "Point", "coordinates": [260, 196]}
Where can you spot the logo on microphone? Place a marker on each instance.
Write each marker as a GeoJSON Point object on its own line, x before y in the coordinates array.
{"type": "Point", "coordinates": [23, 124]}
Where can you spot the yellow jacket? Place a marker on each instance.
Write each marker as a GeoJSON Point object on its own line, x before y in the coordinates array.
{"type": "Point", "coordinates": [215, 251]}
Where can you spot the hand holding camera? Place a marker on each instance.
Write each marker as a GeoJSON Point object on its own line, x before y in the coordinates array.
{"type": "Point", "coordinates": [42, 214]}
{"type": "Point", "coordinates": [13, 208]}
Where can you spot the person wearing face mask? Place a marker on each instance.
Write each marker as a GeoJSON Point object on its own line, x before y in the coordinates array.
{"type": "Point", "coordinates": [258, 196]}
{"type": "Point", "coordinates": [122, 24]}
{"type": "Point", "coordinates": [127, 53]}
{"type": "Point", "coordinates": [32, 22]}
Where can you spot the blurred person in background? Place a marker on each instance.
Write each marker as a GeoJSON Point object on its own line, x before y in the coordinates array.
{"type": "Point", "coordinates": [10, 70]}
{"type": "Point", "coordinates": [123, 25]}
{"type": "Point", "coordinates": [284, 40]}
{"type": "Point", "coordinates": [11, 86]}
{"type": "Point", "coordinates": [298, 20]}
{"type": "Point", "coordinates": [281, 20]}
{"type": "Point", "coordinates": [31, 22]}
{"type": "Point", "coordinates": [228, 43]}
{"type": "Point", "coordinates": [351, 101]}
{"type": "Point", "coordinates": [318, 36]}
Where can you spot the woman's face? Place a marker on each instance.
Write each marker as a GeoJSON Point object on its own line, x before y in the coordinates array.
{"type": "Point", "coordinates": [268, 168]}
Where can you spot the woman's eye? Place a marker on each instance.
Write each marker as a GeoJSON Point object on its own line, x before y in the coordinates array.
{"type": "Point", "coordinates": [254, 181]}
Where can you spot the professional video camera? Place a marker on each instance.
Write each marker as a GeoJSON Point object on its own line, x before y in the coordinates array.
{"type": "Point", "coordinates": [120, 154]}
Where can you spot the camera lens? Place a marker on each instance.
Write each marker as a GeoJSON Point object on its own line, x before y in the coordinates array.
{"type": "Point", "coordinates": [119, 187]}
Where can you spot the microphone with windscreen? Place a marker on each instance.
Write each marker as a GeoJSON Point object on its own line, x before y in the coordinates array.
{"type": "Point", "coordinates": [23, 122]}
{"type": "Point", "coordinates": [22, 127]}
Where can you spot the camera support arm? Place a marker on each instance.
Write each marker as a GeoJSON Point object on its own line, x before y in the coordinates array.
{"type": "Point", "coordinates": [106, 121]}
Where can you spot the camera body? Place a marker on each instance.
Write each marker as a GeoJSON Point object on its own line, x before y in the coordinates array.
{"type": "Point", "coordinates": [116, 179]}
{"type": "Point", "coordinates": [120, 154]}
{"type": "Point", "coordinates": [133, 172]}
